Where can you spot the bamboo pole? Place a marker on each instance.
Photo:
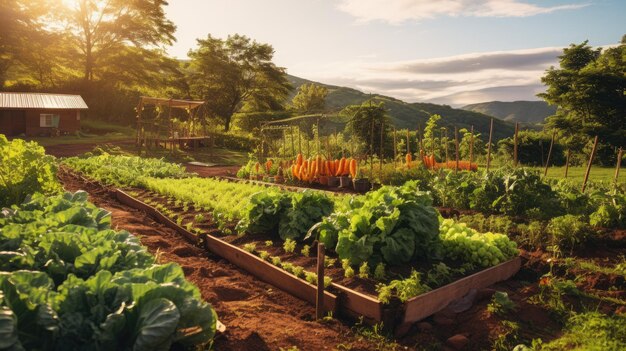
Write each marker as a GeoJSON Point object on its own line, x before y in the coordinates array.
{"type": "Point", "coordinates": [618, 165]}
{"type": "Point", "coordinates": [569, 152]}
{"type": "Point", "coordinates": [471, 150]}
{"type": "Point", "coordinates": [593, 153]}
{"type": "Point", "coordinates": [456, 142]}
{"type": "Point", "coordinates": [545, 172]}
{"type": "Point", "coordinates": [319, 297]}
{"type": "Point", "coordinates": [489, 145]}
{"type": "Point", "coordinates": [515, 144]}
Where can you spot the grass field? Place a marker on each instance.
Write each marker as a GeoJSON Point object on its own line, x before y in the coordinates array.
{"type": "Point", "coordinates": [597, 174]}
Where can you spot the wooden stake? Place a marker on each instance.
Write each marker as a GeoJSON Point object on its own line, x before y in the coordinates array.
{"type": "Point", "coordinates": [489, 145]}
{"type": "Point", "coordinates": [293, 146]}
{"type": "Point", "coordinates": [395, 152]}
{"type": "Point", "coordinates": [567, 161]}
{"type": "Point", "coordinates": [372, 151]}
{"type": "Point", "coordinates": [515, 144]}
{"type": "Point", "coordinates": [380, 161]}
{"type": "Point", "coordinates": [593, 153]}
{"type": "Point", "coordinates": [447, 156]}
{"type": "Point", "coordinates": [545, 173]}
{"type": "Point", "coordinates": [618, 165]}
{"type": "Point", "coordinates": [471, 158]}
{"type": "Point", "coordinates": [408, 142]}
{"type": "Point", "coordinates": [456, 142]}
{"type": "Point", "coordinates": [319, 298]}
{"type": "Point", "coordinates": [299, 141]}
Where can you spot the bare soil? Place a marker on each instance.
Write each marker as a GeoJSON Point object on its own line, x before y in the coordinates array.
{"type": "Point", "coordinates": [260, 317]}
{"type": "Point", "coordinates": [69, 150]}
{"type": "Point", "coordinates": [257, 316]}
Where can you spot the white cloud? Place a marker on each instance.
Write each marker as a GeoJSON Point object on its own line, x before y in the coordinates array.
{"type": "Point", "coordinates": [398, 11]}
{"type": "Point", "coordinates": [455, 80]}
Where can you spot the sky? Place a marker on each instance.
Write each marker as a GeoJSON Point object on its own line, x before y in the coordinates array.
{"type": "Point", "coordinates": [454, 52]}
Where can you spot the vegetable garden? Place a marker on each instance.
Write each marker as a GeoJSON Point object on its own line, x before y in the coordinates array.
{"type": "Point", "coordinates": [389, 252]}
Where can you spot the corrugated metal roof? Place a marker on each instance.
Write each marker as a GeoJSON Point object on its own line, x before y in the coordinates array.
{"type": "Point", "coordinates": [41, 100]}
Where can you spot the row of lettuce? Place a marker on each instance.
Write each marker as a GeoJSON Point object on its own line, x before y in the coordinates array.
{"type": "Point", "coordinates": [68, 281]}
{"type": "Point", "coordinates": [391, 226]}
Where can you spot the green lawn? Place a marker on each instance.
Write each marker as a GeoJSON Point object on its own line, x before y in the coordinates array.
{"type": "Point", "coordinates": [597, 174]}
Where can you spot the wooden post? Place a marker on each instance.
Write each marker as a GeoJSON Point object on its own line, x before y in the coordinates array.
{"type": "Point", "coordinates": [593, 153]}
{"type": "Point", "coordinates": [395, 156]}
{"type": "Point", "coordinates": [618, 165]}
{"type": "Point", "coordinates": [408, 142]}
{"type": "Point", "coordinates": [420, 139]}
{"type": "Point", "coordinates": [447, 155]}
{"type": "Point", "coordinates": [471, 150]}
{"type": "Point", "coordinates": [489, 145]}
{"type": "Point", "coordinates": [456, 142]}
{"type": "Point", "coordinates": [567, 161]}
{"type": "Point", "coordinates": [515, 144]}
{"type": "Point", "coordinates": [293, 146]}
{"type": "Point", "coordinates": [299, 141]}
{"type": "Point", "coordinates": [372, 151]}
{"type": "Point", "coordinates": [319, 298]}
{"type": "Point", "coordinates": [545, 173]}
{"type": "Point", "coordinates": [318, 136]}
{"type": "Point", "coordinates": [380, 161]}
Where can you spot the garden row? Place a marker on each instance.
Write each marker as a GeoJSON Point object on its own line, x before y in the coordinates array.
{"type": "Point", "coordinates": [390, 243]}
{"type": "Point", "coordinates": [68, 281]}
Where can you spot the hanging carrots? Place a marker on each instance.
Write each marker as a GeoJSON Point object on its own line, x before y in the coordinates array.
{"type": "Point", "coordinates": [409, 158]}
{"type": "Point", "coordinates": [299, 159]}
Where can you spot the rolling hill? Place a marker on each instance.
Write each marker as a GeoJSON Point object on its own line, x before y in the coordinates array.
{"type": "Point", "coordinates": [516, 111]}
{"type": "Point", "coordinates": [412, 115]}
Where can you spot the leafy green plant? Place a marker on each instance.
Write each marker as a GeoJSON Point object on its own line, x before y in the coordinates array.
{"type": "Point", "coordinates": [275, 260]}
{"type": "Point", "coordinates": [404, 289]}
{"type": "Point", "coordinates": [395, 223]}
{"type": "Point", "coordinates": [379, 271]}
{"type": "Point", "coordinates": [501, 304]}
{"type": "Point", "coordinates": [568, 231]}
{"type": "Point", "coordinates": [289, 245]}
{"type": "Point", "coordinates": [306, 250]}
{"type": "Point", "coordinates": [264, 255]}
{"type": "Point", "coordinates": [364, 271]}
{"type": "Point", "coordinates": [250, 247]}
{"type": "Point", "coordinates": [25, 169]}
{"type": "Point", "coordinates": [72, 284]}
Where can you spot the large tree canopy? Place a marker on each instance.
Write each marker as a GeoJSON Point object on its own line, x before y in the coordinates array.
{"type": "Point", "coordinates": [310, 98]}
{"type": "Point", "coordinates": [235, 73]}
{"type": "Point", "coordinates": [100, 29]}
{"type": "Point", "coordinates": [589, 89]}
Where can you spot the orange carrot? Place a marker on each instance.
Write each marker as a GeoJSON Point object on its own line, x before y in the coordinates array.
{"type": "Point", "coordinates": [299, 159]}
{"type": "Point", "coordinates": [353, 166]}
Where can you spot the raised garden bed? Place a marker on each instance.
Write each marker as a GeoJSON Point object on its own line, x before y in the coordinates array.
{"type": "Point", "coordinates": [352, 301]}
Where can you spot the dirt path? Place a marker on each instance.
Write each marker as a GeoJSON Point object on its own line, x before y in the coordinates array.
{"type": "Point", "coordinates": [257, 315]}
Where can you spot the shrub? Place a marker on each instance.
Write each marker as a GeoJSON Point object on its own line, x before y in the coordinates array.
{"type": "Point", "coordinates": [568, 231]}
{"type": "Point", "coordinates": [25, 169]}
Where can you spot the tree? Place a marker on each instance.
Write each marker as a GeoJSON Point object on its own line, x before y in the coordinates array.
{"type": "Point", "coordinates": [361, 117]}
{"type": "Point", "coordinates": [589, 89]}
{"type": "Point", "coordinates": [310, 98]}
{"type": "Point", "coordinates": [430, 141]}
{"type": "Point", "coordinates": [235, 73]}
{"type": "Point", "coordinates": [101, 28]}
{"type": "Point", "coordinates": [21, 27]}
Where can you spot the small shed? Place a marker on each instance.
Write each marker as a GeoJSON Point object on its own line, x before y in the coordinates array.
{"type": "Point", "coordinates": [39, 114]}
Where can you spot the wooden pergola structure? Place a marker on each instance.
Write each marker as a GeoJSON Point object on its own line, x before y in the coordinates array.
{"type": "Point", "coordinates": [160, 129]}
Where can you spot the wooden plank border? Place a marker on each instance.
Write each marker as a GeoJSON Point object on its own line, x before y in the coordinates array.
{"type": "Point", "coordinates": [347, 301]}
{"type": "Point", "coordinates": [239, 257]}
{"type": "Point", "coordinates": [429, 303]}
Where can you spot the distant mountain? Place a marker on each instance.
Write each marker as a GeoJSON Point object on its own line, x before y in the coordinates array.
{"type": "Point", "coordinates": [516, 111]}
{"type": "Point", "coordinates": [412, 115]}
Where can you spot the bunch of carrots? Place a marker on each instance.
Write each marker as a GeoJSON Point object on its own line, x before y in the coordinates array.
{"type": "Point", "coordinates": [315, 167]}
{"type": "Point", "coordinates": [431, 163]}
